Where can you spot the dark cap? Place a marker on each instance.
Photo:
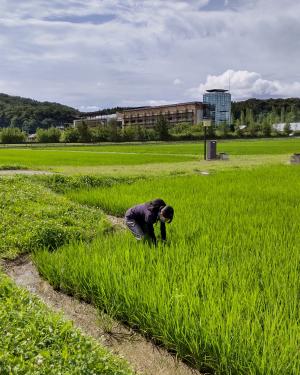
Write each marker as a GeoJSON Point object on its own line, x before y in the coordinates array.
{"type": "Point", "coordinates": [168, 212]}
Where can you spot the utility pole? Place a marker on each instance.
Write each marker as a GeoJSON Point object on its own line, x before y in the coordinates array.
{"type": "Point", "coordinates": [206, 123]}
{"type": "Point", "coordinates": [204, 141]}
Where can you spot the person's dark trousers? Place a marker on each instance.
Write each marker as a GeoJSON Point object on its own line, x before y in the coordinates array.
{"type": "Point", "coordinates": [138, 231]}
{"type": "Point", "coordinates": [135, 228]}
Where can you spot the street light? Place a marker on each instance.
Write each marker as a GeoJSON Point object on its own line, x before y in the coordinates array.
{"type": "Point", "coordinates": [206, 123]}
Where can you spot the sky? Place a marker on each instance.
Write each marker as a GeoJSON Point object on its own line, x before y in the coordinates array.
{"type": "Point", "coordinates": [93, 54]}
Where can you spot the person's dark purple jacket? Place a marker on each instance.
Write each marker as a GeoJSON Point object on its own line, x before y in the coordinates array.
{"type": "Point", "coordinates": [146, 215]}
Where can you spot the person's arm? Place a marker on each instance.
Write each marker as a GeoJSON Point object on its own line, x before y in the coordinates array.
{"type": "Point", "coordinates": [163, 231]}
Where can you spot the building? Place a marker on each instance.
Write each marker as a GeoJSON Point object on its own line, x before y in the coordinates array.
{"type": "Point", "coordinates": [219, 101]}
{"type": "Point", "coordinates": [95, 119]}
{"type": "Point", "coordinates": [191, 112]}
{"type": "Point", "coordinates": [294, 126]}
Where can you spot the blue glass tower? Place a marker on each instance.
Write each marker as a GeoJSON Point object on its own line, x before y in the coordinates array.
{"type": "Point", "coordinates": [220, 104]}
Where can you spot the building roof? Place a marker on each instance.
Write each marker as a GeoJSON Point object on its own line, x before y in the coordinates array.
{"type": "Point", "coordinates": [160, 106]}
{"type": "Point", "coordinates": [216, 90]}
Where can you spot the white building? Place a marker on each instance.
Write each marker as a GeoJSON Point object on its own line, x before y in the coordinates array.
{"type": "Point", "coordinates": [294, 126]}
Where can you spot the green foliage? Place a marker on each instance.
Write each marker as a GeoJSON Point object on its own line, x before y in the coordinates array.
{"type": "Point", "coordinates": [84, 132]}
{"type": "Point", "coordinates": [31, 114]}
{"type": "Point", "coordinates": [117, 155]}
{"type": "Point", "coordinates": [70, 135]}
{"type": "Point", "coordinates": [281, 110]}
{"type": "Point", "coordinates": [218, 292]}
{"type": "Point", "coordinates": [12, 135]}
{"type": "Point", "coordinates": [100, 134]}
{"type": "Point", "coordinates": [162, 128]}
{"type": "Point", "coordinates": [62, 184]}
{"type": "Point", "coordinates": [35, 341]}
{"type": "Point", "coordinates": [33, 217]}
{"type": "Point", "coordinates": [51, 135]}
{"type": "Point", "coordinates": [266, 128]}
{"type": "Point", "coordinates": [287, 128]}
{"type": "Point", "coordinates": [222, 130]}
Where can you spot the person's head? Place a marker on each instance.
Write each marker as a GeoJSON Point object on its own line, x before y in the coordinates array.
{"type": "Point", "coordinates": [166, 214]}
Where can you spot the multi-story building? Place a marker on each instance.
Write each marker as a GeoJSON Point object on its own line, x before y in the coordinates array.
{"type": "Point", "coordinates": [219, 101]}
{"type": "Point", "coordinates": [95, 119]}
{"type": "Point", "coordinates": [191, 112]}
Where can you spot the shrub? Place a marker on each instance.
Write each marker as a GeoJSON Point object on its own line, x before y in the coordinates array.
{"type": "Point", "coordinates": [12, 135]}
{"type": "Point", "coordinates": [70, 135]}
{"type": "Point", "coordinates": [51, 135]}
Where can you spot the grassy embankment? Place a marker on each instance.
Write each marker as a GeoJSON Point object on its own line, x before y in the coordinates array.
{"type": "Point", "coordinates": [223, 293]}
{"type": "Point", "coordinates": [33, 339]}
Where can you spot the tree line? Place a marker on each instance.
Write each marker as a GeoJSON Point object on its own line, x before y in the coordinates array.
{"type": "Point", "coordinates": [251, 118]}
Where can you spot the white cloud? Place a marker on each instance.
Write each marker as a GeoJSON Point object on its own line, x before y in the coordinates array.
{"type": "Point", "coordinates": [177, 82]}
{"type": "Point", "coordinates": [139, 51]}
{"type": "Point", "coordinates": [244, 84]}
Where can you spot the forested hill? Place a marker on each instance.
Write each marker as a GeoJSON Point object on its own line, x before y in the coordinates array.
{"type": "Point", "coordinates": [281, 108]}
{"type": "Point", "coordinates": [28, 114]}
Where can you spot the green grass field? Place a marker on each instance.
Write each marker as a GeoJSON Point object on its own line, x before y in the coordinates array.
{"type": "Point", "coordinates": [136, 154]}
{"type": "Point", "coordinates": [223, 293]}
{"type": "Point", "coordinates": [233, 147]}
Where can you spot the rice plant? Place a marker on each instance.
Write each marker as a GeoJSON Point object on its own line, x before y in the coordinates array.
{"type": "Point", "coordinates": [223, 293]}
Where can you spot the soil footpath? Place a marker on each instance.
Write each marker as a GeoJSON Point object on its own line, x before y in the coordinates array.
{"type": "Point", "coordinates": [12, 172]}
{"type": "Point", "coordinates": [144, 357]}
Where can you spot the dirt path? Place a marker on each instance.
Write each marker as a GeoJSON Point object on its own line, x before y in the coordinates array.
{"type": "Point", "coordinates": [12, 172]}
{"type": "Point", "coordinates": [117, 222]}
{"type": "Point", "coordinates": [143, 355]}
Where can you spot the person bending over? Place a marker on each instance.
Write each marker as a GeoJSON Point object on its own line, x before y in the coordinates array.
{"type": "Point", "coordinates": [140, 219]}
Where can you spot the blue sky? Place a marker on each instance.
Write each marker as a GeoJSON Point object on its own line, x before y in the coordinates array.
{"type": "Point", "coordinates": [94, 54]}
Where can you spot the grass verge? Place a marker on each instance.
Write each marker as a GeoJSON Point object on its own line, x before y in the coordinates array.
{"type": "Point", "coordinates": [33, 217]}
{"type": "Point", "coordinates": [36, 341]}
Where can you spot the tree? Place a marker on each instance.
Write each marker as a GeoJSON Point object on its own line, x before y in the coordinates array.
{"type": "Point", "coordinates": [51, 135]}
{"type": "Point", "coordinates": [114, 130]}
{"type": "Point", "coordinates": [70, 135]}
{"type": "Point", "coordinates": [243, 122]}
{"type": "Point", "coordinates": [12, 135]}
{"type": "Point", "coordinates": [223, 129]}
{"type": "Point", "coordinates": [162, 128]}
{"type": "Point", "coordinates": [291, 115]}
{"type": "Point", "coordinates": [15, 122]}
{"type": "Point", "coordinates": [266, 127]}
{"type": "Point", "coordinates": [30, 125]}
{"type": "Point", "coordinates": [84, 132]}
{"type": "Point", "coordinates": [282, 115]}
{"type": "Point", "coordinates": [47, 123]}
{"type": "Point", "coordinates": [287, 128]}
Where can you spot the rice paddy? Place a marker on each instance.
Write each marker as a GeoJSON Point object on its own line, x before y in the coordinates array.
{"type": "Point", "coordinates": [223, 293]}
{"type": "Point", "coordinates": [136, 154]}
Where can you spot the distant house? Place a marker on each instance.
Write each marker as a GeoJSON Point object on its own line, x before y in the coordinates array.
{"type": "Point", "coordinates": [31, 137]}
{"type": "Point", "coordinates": [294, 126]}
